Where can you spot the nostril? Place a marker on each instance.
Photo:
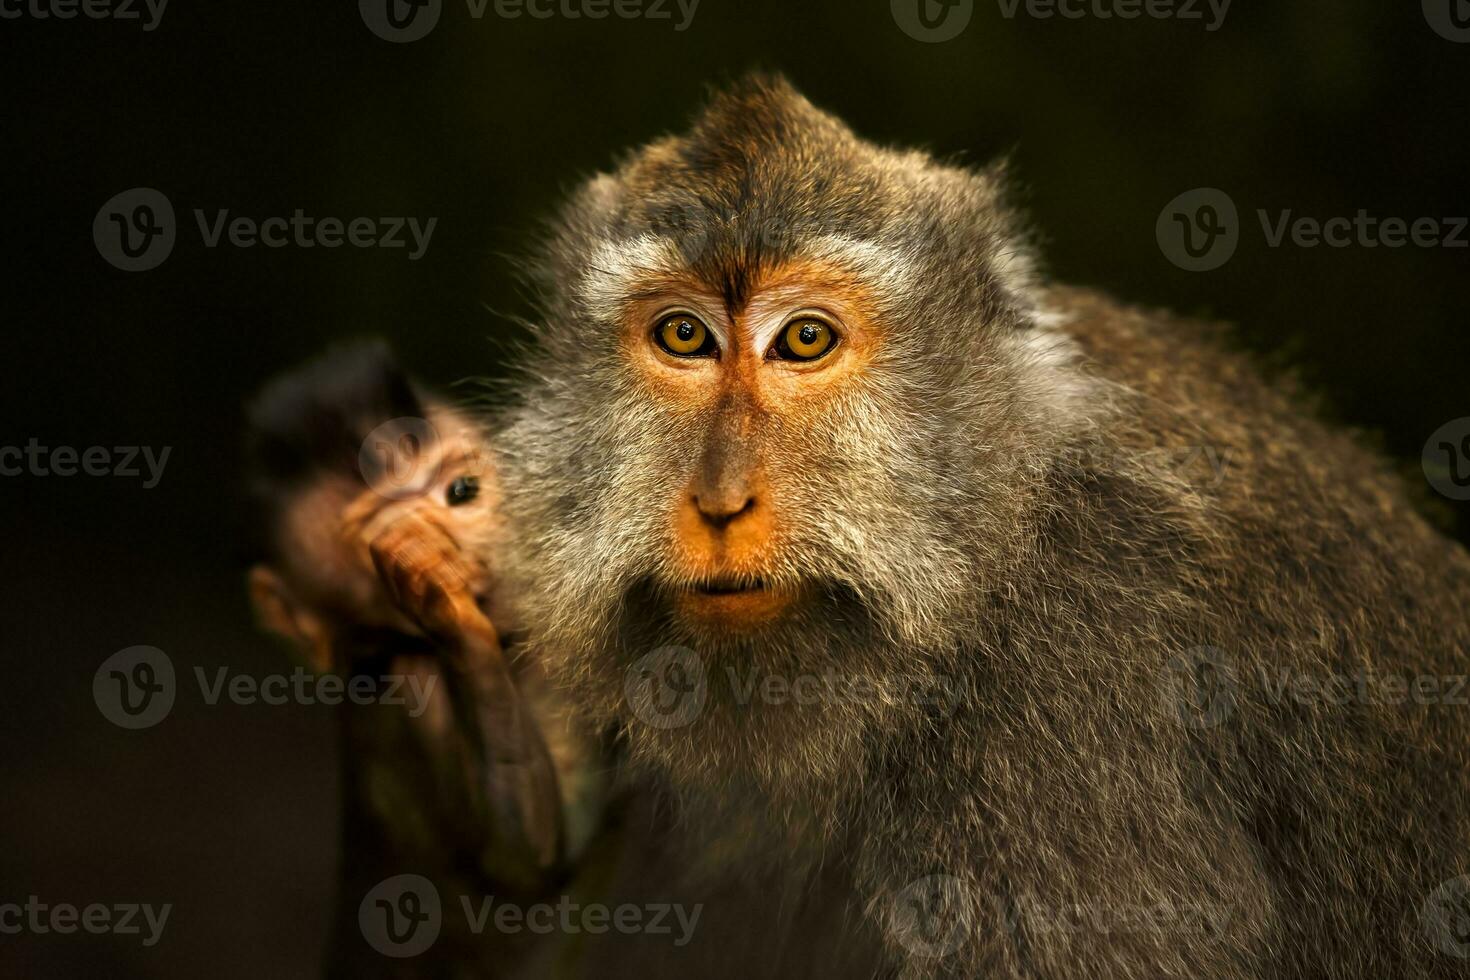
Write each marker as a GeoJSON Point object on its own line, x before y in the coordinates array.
{"type": "Point", "coordinates": [720, 512]}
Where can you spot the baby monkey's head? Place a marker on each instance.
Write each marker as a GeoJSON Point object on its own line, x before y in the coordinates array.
{"type": "Point", "coordinates": [338, 449]}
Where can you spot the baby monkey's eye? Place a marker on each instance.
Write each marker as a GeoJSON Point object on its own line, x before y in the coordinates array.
{"type": "Point", "coordinates": [804, 339]}
{"type": "Point", "coordinates": [462, 490]}
{"type": "Point", "coordinates": [684, 336]}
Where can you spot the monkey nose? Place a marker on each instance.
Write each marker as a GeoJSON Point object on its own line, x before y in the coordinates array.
{"type": "Point", "coordinates": [723, 526]}
{"type": "Point", "coordinates": [720, 508]}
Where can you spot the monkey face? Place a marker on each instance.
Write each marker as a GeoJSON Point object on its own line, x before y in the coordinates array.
{"type": "Point", "coordinates": [739, 470]}
{"type": "Point", "coordinates": [447, 481]}
{"type": "Point", "coordinates": [782, 405]}
{"type": "Point", "coordinates": [763, 378]}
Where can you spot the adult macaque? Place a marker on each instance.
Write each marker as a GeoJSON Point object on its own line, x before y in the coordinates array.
{"type": "Point", "coordinates": [372, 503]}
{"type": "Point", "coordinates": [803, 406]}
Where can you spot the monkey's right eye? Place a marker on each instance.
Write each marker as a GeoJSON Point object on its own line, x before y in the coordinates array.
{"type": "Point", "coordinates": [684, 336]}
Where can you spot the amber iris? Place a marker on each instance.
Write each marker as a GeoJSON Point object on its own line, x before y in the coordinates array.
{"type": "Point", "coordinates": [684, 336]}
{"type": "Point", "coordinates": [805, 339]}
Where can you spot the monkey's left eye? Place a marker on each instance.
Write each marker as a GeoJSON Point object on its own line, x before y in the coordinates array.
{"type": "Point", "coordinates": [462, 490]}
{"type": "Point", "coordinates": [804, 339]}
{"type": "Point", "coordinates": [684, 336]}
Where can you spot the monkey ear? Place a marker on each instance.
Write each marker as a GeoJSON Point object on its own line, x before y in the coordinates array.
{"type": "Point", "coordinates": [279, 612]}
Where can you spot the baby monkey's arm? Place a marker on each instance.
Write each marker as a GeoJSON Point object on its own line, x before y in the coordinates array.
{"type": "Point", "coordinates": [509, 773]}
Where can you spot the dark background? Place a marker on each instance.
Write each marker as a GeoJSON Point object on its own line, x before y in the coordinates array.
{"type": "Point", "coordinates": [228, 812]}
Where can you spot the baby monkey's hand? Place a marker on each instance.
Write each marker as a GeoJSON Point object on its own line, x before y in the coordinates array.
{"type": "Point", "coordinates": [424, 573]}
{"type": "Point", "coordinates": [415, 550]}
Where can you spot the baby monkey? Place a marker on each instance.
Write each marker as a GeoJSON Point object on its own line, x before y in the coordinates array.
{"type": "Point", "coordinates": [370, 502]}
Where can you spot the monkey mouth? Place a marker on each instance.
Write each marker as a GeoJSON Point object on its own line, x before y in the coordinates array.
{"type": "Point", "coordinates": [728, 585]}
{"type": "Point", "coordinates": [733, 602]}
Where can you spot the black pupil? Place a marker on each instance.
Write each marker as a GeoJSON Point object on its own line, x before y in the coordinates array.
{"type": "Point", "coordinates": [685, 330]}
{"type": "Point", "coordinates": [463, 490]}
{"type": "Point", "coordinates": [809, 333]}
